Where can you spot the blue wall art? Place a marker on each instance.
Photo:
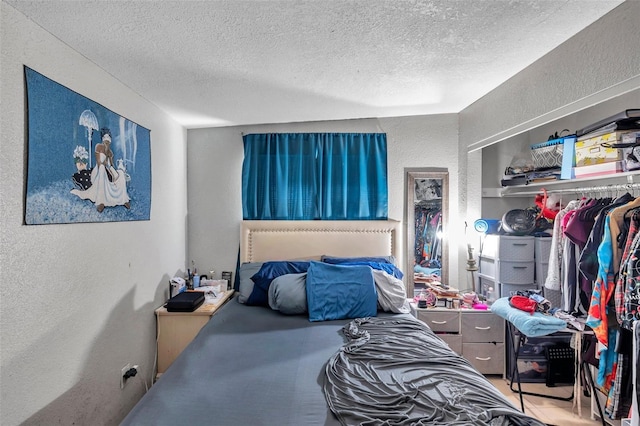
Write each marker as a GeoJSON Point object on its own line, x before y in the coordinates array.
{"type": "Point", "coordinates": [85, 163]}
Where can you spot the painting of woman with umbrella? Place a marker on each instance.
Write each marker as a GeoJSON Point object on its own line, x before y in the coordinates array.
{"type": "Point", "coordinates": [108, 186]}
{"type": "Point", "coordinates": [70, 177]}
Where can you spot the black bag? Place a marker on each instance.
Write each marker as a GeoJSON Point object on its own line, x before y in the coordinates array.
{"type": "Point", "coordinates": [187, 301]}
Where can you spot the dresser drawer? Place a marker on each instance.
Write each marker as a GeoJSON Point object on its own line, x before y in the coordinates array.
{"type": "Point", "coordinates": [487, 358]}
{"type": "Point", "coordinates": [454, 341]}
{"type": "Point", "coordinates": [441, 321]}
{"type": "Point", "coordinates": [482, 327]}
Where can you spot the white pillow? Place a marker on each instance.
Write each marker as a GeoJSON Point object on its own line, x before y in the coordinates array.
{"type": "Point", "coordinates": [392, 295]}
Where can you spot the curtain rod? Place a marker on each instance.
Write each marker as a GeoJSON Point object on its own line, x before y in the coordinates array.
{"type": "Point", "coordinates": [578, 190]}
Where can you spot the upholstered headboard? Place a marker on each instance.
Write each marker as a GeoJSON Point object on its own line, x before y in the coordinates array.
{"type": "Point", "coordinates": [263, 240]}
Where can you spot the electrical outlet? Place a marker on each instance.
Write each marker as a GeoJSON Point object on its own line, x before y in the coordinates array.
{"type": "Point", "coordinates": [122, 373]}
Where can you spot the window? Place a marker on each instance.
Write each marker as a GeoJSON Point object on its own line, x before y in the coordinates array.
{"type": "Point", "coordinates": [306, 176]}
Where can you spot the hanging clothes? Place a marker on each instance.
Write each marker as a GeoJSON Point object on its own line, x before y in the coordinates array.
{"type": "Point", "coordinates": [569, 267]}
{"type": "Point", "coordinates": [427, 246]}
{"type": "Point", "coordinates": [603, 287]}
{"type": "Point", "coordinates": [595, 263]}
{"type": "Point", "coordinates": [620, 396]}
{"type": "Point", "coordinates": [570, 276]}
{"type": "Point", "coordinates": [578, 227]}
{"type": "Point", "coordinates": [589, 257]}
{"type": "Point", "coordinates": [606, 281]}
{"type": "Point", "coordinates": [623, 233]}
{"type": "Point", "coordinates": [553, 279]}
{"type": "Point", "coordinates": [616, 223]}
{"type": "Point", "coordinates": [627, 292]}
{"type": "Point", "coordinates": [577, 230]}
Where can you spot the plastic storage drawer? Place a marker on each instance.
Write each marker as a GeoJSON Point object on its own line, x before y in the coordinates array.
{"type": "Point", "coordinates": [542, 252]}
{"type": "Point", "coordinates": [516, 272]}
{"type": "Point", "coordinates": [536, 346]}
{"type": "Point", "coordinates": [531, 369]}
{"type": "Point", "coordinates": [508, 247]}
{"type": "Point", "coordinates": [542, 249]}
{"type": "Point", "coordinates": [488, 266]}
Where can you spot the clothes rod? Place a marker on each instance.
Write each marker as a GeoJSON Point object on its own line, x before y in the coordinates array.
{"type": "Point", "coordinates": [578, 190]}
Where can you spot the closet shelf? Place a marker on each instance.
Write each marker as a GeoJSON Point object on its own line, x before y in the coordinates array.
{"type": "Point", "coordinates": [618, 181]}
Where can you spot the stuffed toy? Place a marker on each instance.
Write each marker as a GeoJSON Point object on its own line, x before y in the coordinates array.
{"type": "Point", "coordinates": [549, 204]}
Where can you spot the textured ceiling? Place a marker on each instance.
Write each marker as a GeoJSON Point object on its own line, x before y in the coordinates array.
{"type": "Point", "coordinates": [222, 63]}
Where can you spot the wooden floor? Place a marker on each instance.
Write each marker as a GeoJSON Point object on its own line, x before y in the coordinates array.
{"type": "Point", "coordinates": [547, 410]}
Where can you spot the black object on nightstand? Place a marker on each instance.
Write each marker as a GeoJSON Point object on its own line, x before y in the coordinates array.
{"type": "Point", "coordinates": [187, 301]}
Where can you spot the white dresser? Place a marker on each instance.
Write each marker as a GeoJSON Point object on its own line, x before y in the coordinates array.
{"type": "Point", "coordinates": [478, 336]}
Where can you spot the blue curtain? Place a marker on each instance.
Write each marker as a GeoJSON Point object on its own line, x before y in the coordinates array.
{"type": "Point", "coordinates": [305, 176]}
{"type": "Point", "coordinates": [279, 177]}
{"type": "Point", "coordinates": [353, 171]}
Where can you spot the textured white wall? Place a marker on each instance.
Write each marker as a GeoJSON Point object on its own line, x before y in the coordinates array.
{"type": "Point", "coordinates": [599, 62]}
{"type": "Point", "coordinates": [214, 177]}
{"type": "Point", "coordinates": [77, 301]}
{"type": "Point", "coordinates": [602, 55]}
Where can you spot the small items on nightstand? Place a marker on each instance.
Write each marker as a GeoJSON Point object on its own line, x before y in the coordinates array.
{"type": "Point", "coordinates": [177, 285]}
{"type": "Point", "coordinates": [226, 275]}
{"type": "Point", "coordinates": [427, 298]}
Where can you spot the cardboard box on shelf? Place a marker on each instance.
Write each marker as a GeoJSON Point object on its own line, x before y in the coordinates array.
{"type": "Point", "coordinates": [595, 170]}
{"type": "Point", "coordinates": [595, 150]}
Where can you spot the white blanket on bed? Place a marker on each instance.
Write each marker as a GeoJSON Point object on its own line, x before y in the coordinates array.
{"type": "Point", "coordinates": [392, 295]}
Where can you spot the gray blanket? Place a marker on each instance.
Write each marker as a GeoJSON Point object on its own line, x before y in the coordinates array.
{"type": "Point", "coordinates": [396, 371]}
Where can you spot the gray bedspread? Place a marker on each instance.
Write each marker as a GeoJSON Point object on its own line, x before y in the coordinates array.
{"type": "Point", "coordinates": [252, 366]}
{"type": "Point", "coordinates": [396, 371]}
{"type": "Point", "coordinates": [248, 366]}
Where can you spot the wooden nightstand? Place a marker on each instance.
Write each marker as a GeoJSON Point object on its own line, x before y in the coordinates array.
{"type": "Point", "coordinates": [177, 329]}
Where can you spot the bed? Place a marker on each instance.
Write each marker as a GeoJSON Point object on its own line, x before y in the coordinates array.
{"type": "Point", "coordinates": [253, 365]}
